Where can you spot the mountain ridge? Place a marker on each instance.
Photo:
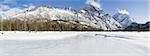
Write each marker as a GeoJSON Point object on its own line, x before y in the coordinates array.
{"type": "Point", "coordinates": [90, 17]}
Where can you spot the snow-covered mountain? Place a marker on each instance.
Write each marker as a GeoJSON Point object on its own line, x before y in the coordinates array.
{"type": "Point", "coordinates": [122, 16]}
{"type": "Point", "coordinates": [6, 13]}
{"type": "Point", "coordinates": [138, 26]}
{"type": "Point", "coordinates": [96, 15]}
{"type": "Point", "coordinates": [91, 15]}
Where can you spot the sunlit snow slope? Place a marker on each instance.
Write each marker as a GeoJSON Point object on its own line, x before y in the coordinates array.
{"type": "Point", "coordinates": [74, 44]}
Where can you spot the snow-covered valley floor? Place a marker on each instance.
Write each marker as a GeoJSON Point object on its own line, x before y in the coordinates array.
{"type": "Point", "coordinates": [74, 43]}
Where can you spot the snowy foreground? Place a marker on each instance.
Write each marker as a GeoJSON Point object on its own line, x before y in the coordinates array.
{"type": "Point", "coordinates": [74, 43]}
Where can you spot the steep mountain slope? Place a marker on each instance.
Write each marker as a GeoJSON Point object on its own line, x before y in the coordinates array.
{"type": "Point", "coordinates": [122, 16]}
{"type": "Point", "coordinates": [99, 17]}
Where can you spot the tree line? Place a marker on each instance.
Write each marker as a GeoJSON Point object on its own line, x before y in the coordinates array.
{"type": "Point", "coordinates": [42, 25]}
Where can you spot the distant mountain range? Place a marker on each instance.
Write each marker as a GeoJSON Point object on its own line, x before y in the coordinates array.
{"type": "Point", "coordinates": [128, 23]}
{"type": "Point", "coordinates": [91, 17]}
{"type": "Point", "coordinates": [139, 27]}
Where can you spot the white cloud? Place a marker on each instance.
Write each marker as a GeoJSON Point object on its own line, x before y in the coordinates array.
{"type": "Point", "coordinates": [25, 5]}
{"type": "Point", "coordinates": [94, 3]}
{"type": "Point", "coordinates": [123, 11]}
{"type": "Point", "coordinates": [29, 6]}
{"type": "Point", "coordinates": [8, 1]}
{"type": "Point", "coordinates": [4, 7]}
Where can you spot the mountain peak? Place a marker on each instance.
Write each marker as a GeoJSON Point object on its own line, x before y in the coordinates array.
{"type": "Point", "coordinates": [123, 17]}
{"type": "Point", "coordinates": [94, 3]}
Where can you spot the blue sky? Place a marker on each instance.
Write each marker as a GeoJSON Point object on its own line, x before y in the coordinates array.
{"type": "Point", "coordinates": [138, 9]}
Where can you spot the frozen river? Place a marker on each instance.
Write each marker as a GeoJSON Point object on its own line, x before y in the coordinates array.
{"type": "Point", "coordinates": [77, 44]}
